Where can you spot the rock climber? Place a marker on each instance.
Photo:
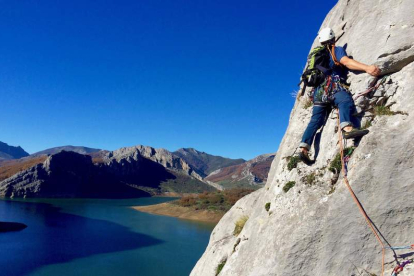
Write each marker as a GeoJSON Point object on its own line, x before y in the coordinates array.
{"type": "Point", "coordinates": [333, 92]}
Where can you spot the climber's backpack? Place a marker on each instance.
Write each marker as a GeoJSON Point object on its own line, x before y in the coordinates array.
{"type": "Point", "coordinates": [318, 67]}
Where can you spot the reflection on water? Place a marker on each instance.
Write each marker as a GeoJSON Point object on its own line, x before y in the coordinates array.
{"type": "Point", "coordinates": [97, 237]}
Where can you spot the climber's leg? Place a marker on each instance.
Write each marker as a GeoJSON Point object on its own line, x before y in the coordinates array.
{"type": "Point", "coordinates": [349, 124]}
{"type": "Point", "coordinates": [319, 115]}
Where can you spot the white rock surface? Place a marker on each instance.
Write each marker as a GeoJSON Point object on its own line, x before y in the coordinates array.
{"type": "Point", "coordinates": [317, 229]}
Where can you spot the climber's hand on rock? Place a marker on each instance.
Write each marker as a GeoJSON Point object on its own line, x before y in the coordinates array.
{"type": "Point", "coordinates": [373, 70]}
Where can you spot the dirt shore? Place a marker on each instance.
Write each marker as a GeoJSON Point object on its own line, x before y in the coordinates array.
{"type": "Point", "coordinates": [172, 210]}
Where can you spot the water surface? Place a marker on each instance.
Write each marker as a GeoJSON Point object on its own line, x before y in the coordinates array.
{"type": "Point", "coordinates": [98, 237]}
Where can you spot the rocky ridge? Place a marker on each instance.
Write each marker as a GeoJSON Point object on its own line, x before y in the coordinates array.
{"type": "Point", "coordinates": [142, 167]}
{"type": "Point", "coordinates": [168, 160]}
{"type": "Point", "coordinates": [315, 228]}
{"type": "Point", "coordinates": [252, 173]}
{"type": "Point", "coordinates": [66, 174]}
{"type": "Point", "coordinates": [204, 163]}
{"type": "Point", "coordinates": [9, 152]}
{"type": "Point", "coordinates": [174, 165]}
{"type": "Point", "coordinates": [77, 149]}
{"type": "Point", "coordinates": [122, 173]}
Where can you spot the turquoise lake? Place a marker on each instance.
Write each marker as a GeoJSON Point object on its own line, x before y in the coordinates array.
{"type": "Point", "coordinates": [98, 237]}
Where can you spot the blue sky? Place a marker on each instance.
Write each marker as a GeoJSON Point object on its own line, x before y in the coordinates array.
{"type": "Point", "coordinates": [212, 75]}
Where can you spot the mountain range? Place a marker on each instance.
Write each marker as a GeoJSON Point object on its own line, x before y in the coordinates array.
{"type": "Point", "coordinates": [252, 173]}
{"type": "Point", "coordinates": [9, 152]}
{"type": "Point", "coordinates": [75, 171]}
{"type": "Point", "coordinates": [81, 150]}
{"type": "Point", "coordinates": [204, 163]}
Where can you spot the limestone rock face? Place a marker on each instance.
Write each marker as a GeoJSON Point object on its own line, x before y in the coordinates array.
{"type": "Point", "coordinates": [315, 228]}
{"type": "Point", "coordinates": [66, 174]}
{"type": "Point", "coordinates": [134, 166]}
{"type": "Point", "coordinates": [160, 156]}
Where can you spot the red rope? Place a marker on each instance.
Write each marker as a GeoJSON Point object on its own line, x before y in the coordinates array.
{"type": "Point", "coordinates": [361, 209]}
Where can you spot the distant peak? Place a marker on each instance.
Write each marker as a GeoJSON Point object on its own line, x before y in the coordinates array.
{"type": "Point", "coordinates": [191, 150]}
{"type": "Point", "coordinates": [11, 152]}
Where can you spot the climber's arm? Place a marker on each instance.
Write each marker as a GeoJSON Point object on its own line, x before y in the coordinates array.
{"type": "Point", "coordinates": [355, 65]}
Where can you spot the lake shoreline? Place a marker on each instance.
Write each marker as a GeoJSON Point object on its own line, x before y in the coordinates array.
{"type": "Point", "coordinates": [172, 210]}
{"type": "Point", "coordinates": [97, 237]}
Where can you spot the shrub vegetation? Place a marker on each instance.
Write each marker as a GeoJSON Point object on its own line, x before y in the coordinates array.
{"type": "Point", "coordinates": [382, 110]}
{"type": "Point", "coordinates": [288, 186]}
{"type": "Point", "coordinates": [267, 206]}
{"type": "Point", "coordinates": [336, 164]}
{"type": "Point", "coordinates": [220, 267]}
{"type": "Point", "coordinates": [182, 183]}
{"type": "Point", "coordinates": [216, 201]}
{"type": "Point", "coordinates": [9, 168]}
{"type": "Point", "coordinates": [310, 178]}
{"type": "Point", "coordinates": [292, 162]}
{"type": "Point", "coordinates": [239, 225]}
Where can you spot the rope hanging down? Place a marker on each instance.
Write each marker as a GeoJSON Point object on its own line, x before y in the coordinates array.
{"type": "Point", "coordinates": [344, 162]}
{"type": "Point", "coordinates": [361, 209]}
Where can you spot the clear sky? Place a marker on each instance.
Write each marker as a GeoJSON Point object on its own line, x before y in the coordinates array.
{"type": "Point", "coordinates": [214, 75]}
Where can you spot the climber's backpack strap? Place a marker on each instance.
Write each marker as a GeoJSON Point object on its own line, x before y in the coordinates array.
{"type": "Point", "coordinates": [333, 55]}
{"type": "Point", "coordinates": [318, 67]}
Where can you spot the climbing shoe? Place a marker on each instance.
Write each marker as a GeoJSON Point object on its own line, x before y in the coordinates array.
{"type": "Point", "coordinates": [355, 133]}
{"type": "Point", "coordinates": [304, 157]}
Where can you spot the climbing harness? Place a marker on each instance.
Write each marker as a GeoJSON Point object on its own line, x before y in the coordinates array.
{"type": "Point", "coordinates": [372, 87]}
{"type": "Point", "coordinates": [325, 93]}
{"type": "Point", "coordinates": [344, 162]}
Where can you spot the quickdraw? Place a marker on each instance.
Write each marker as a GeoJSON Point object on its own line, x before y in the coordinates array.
{"type": "Point", "coordinates": [372, 88]}
{"type": "Point", "coordinates": [346, 160]}
{"type": "Point", "coordinates": [328, 89]}
{"type": "Point", "coordinates": [401, 247]}
{"type": "Point", "coordinates": [400, 267]}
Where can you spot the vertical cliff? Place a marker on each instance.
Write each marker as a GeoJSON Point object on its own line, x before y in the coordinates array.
{"type": "Point", "coordinates": [315, 228]}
